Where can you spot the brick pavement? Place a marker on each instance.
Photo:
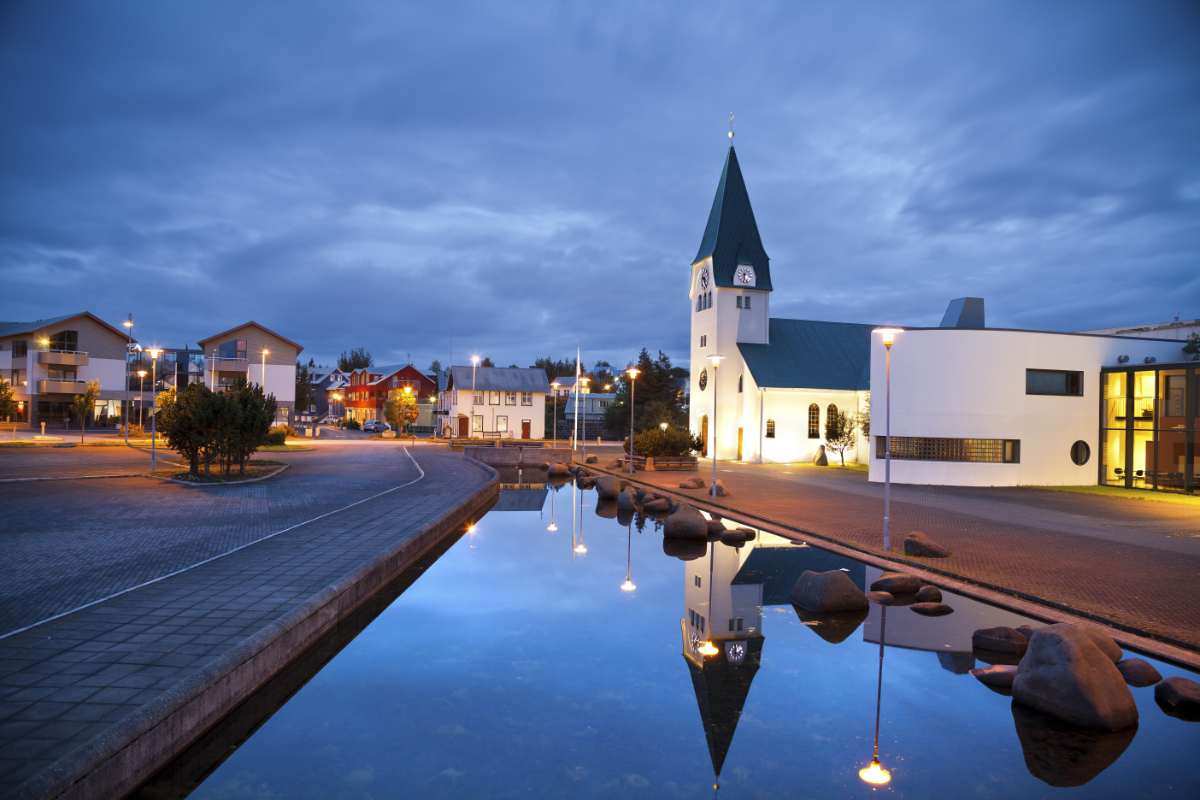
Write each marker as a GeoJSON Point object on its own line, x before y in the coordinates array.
{"type": "Point", "coordinates": [73, 688]}
{"type": "Point", "coordinates": [1140, 587]}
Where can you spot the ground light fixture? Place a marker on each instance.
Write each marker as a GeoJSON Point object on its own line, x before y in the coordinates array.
{"type": "Point", "coordinates": [888, 337]}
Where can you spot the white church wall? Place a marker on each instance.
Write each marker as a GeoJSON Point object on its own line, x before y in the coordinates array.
{"type": "Point", "coordinates": [971, 384]}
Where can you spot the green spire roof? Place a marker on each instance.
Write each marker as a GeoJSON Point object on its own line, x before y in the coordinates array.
{"type": "Point", "coordinates": [721, 690]}
{"type": "Point", "coordinates": [731, 236]}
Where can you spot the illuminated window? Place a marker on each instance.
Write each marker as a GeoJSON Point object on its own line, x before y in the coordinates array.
{"type": "Point", "coordinates": [478, 401]}
{"type": "Point", "coordinates": [770, 429]}
{"type": "Point", "coordinates": [831, 412]}
{"type": "Point", "coordinates": [510, 398]}
{"type": "Point", "coordinates": [526, 398]}
{"type": "Point", "coordinates": [501, 424]}
{"type": "Point", "coordinates": [928, 448]}
{"type": "Point", "coordinates": [814, 421]}
{"type": "Point", "coordinates": [493, 398]}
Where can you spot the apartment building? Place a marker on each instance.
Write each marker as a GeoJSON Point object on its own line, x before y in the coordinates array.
{"type": "Point", "coordinates": [258, 354]}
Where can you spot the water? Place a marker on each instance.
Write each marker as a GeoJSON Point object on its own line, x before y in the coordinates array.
{"type": "Point", "coordinates": [518, 666]}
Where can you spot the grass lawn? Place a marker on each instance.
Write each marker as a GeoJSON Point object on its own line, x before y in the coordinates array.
{"type": "Point", "coordinates": [1127, 494]}
{"type": "Point", "coordinates": [286, 448]}
{"type": "Point", "coordinates": [850, 465]}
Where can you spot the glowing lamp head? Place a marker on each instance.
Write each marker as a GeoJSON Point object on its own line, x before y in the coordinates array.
{"type": "Point", "coordinates": [608, 387]}
{"type": "Point", "coordinates": [128, 323]}
{"type": "Point", "coordinates": [141, 373]}
{"type": "Point", "coordinates": [585, 380]}
{"type": "Point", "coordinates": [628, 586]}
{"type": "Point", "coordinates": [707, 649]}
{"type": "Point", "coordinates": [552, 527]}
{"type": "Point", "coordinates": [266, 352]}
{"type": "Point", "coordinates": [155, 353]}
{"type": "Point", "coordinates": [408, 390]}
{"type": "Point", "coordinates": [581, 549]}
{"type": "Point", "coordinates": [471, 529]}
{"type": "Point", "coordinates": [715, 361]}
{"type": "Point", "coordinates": [44, 341]}
{"type": "Point", "coordinates": [887, 335]}
{"type": "Point", "coordinates": [633, 373]}
{"type": "Point", "coordinates": [662, 426]}
{"type": "Point", "coordinates": [555, 385]}
{"type": "Point", "coordinates": [475, 361]}
{"type": "Point", "coordinates": [875, 774]}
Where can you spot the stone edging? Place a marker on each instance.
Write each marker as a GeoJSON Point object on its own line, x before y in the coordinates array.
{"type": "Point", "coordinates": [129, 753]}
{"type": "Point", "coordinates": [993, 594]}
{"type": "Point", "coordinates": [201, 484]}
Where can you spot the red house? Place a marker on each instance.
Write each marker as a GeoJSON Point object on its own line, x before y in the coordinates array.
{"type": "Point", "coordinates": [367, 392]}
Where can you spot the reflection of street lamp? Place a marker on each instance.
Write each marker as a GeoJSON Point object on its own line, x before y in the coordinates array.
{"type": "Point", "coordinates": [874, 773]}
{"type": "Point", "coordinates": [633, 373]}
{"type": "Point", "coordinates": [628, 585]}
{"type": "Point", "coordinates": [716, 362]}
{"type": "Point", "coordinates": [554, 416]}
{"type": "Point", "coordinates": [580, 548]}
{"type": "Point", "coordinates": [888, 337]}
{"type": "Point", "coordinates": [553, 526]}
{"type": "Point", "coordinates": [662, 426]}
{"type": "Point", "coordinates": [707, 648]}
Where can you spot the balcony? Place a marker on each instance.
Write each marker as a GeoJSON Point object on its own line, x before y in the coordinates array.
{"type": "Point", "coordinates": [221, 364]}
{"type": "Point", "coordinates": [51, 386]}
{"type": "Point", "coordinates": [63, 358]}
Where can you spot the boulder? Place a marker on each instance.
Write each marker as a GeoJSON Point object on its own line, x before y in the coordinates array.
{"type": "Point", "coordinates": [584, 482]}
{"type": "Point", "coordinates": [1179, 697]}
{"type": "Point", "coordinates": [833, 628]}
{"type": "Point", "coordinates": [1067, 674]}
{"type": "Point", "coordinates": [929, 594]}
{"type": "Point", "coordinates": [626, 501]}
{"type": "Point", "coordinates": [558, 470]}
{"type": "Point", "coordinates": [721, 490]}
{"type": "Point", "coordinates": [591, 460]}
{"type": "Point", "coordinates": [1138, 672]}
{"type": "Point", "coordinates": [685, 522]}
{"type": "Point", "coordinates": [1000, 640]}
{"type": "Point", "coordinates": [657, 505]}
{"type": "Point", "coordinates": [897, 583]}
{"type": "Point", "coordinates": [716, 527]}
{"type": "Point", "coordinates": [820, 459]}
{"type": "Point", "coordinates": [827, 593]}
{"type": "Point", "coordinates": [692, 483]}
{"type": "Point", "coordinates": [606, 508]}
{"type": "Point", "coordinates": [1063, 755]}
{"type": "Point", "coordinates": [1103, 641]}
{"type": "Point", "coordinates": [999, 677]}
{"type": "Point", "coordinates": [932, 609]}
{"type": "Point", "coordinates": [882, 598]}
{"type": "Point", "coordinates": [918, 543]}
{"type": "Point", "coordinates": [737, 535]}
{"type": "Point", "coordinates": [607, 487]}
{"type": "Point", "coordinates": [685, 549]}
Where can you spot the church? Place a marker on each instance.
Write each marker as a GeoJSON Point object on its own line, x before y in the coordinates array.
{"type": "Point", "coordinates": [763, 388]}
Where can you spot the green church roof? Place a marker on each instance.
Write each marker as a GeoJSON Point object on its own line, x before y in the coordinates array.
{"type": "Point", "coordinates": [806, 354]}
{"type": "Point", "coordinates": [731, 236]}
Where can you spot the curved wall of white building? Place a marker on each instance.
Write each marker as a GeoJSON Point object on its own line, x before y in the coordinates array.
{"type": "Point", "coordinates": [971, 384]}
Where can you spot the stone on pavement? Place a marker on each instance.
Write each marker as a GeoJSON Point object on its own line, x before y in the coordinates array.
{"type": "Point", "coordinates": [1067, 674]}
{"type": "Point", "coordinates": [896, 583]}
{"type": "Point", "coordinates": [918, 543]}
{"type": "Point", "coordinates": [692, 483]}
{"type": "Point", "coordinates": [827, 592]}
{"type": "Point", "coordinates": [820, 459]}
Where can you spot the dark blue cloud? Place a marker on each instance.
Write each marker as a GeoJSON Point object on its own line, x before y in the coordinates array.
{"type": "Point", "coordinates": [519, 178]}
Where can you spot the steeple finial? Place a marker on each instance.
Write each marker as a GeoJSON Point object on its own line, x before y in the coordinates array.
{"type": "Point", "coordinates": [731, 128]}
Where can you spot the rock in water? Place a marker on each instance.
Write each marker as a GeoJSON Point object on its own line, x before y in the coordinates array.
{"type": "Point", "coordinates": [685, 522]}
{"type": "Point", "coordinates": [828, 593]}
{"type": "Point", "coordinates": [657, 505]}
{"type": "Point", "coordinates": [897, 583]}
{"type": "Point", "coordinates": [1061, 754]}
{"type": "Point", "coordinates": [737, 536]}
{"type": "Point", "coordinates": [1065, 673]}
{"type": "Point", "coordinates": [1179, 697]}
{"type": "Point", "coordinates": [1000, 640]}
{"type": "Point", "coordinates": [685, 549]}
{"type": "Point", "coordinates": [715, 527]}
{"type": "Point", "coordinates": [883, 598]}
{"type": "Point", "coordinates": [1138, 672]}
{"type": "Point", "coordinates": [999, 677]}
{"type": "Point", "coordinates": [918, 543]}
{"type": "Point", "coordinates": [929, 594]}
{"type": "Point", "coordinates": [558, 470]}
{"type": "Point", "coordinates": [591, 460]}
{"type": "Point", "coordinates": [692, 483]}
{"type": "Point", "coordinates": [626, 501]}
{"type": "Point", "coordinates": [932, 609]}
{"type": "Point", "coordinates": [833, 628]}
{"type": "Point", "coordinates": [607, 487]}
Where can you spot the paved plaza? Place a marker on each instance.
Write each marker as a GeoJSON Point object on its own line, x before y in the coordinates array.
{"type": "Point", "coordinates": [1132, 563]}
{"type": "Point", "coordinates": [145, 587]}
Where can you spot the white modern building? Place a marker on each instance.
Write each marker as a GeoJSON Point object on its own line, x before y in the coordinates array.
{"type": "Point", "coordinates": [258, 354]}
{"type": "Point", "coordinates": [494, 402]}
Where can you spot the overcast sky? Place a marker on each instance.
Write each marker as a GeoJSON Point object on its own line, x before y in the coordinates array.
{"type": "Point", "coordinates": [517, 178]}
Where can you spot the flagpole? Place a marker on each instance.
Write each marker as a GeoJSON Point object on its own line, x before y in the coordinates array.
{"type": "Point", "coordinates": [575, 430]}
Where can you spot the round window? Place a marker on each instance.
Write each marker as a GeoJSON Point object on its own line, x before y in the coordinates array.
{"type": "Point", "coordinates": [703, 379]}
{"type": "Point", "coordinates": [1080, 452]}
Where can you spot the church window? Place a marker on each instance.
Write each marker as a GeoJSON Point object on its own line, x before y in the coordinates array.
{"type": "Point", "coordinates": [814, 421]}
{"type": "Point", "coordinates": [703, 341]}
{"type": "Point", "coordinates": [740, 377]}
{"type": "Point", "coordinates": [830, 412]}
{"type": "Point", "coordinates": [710, 299]}
{"type": "Point", "coordinates": [739, 301]}
{"type": "Point", "coordinates": [699, 298]}
{"type": "Point", "coordinates": [703, 379]}
{"type": "Point", "coordinates": [746, 302]}
{"type": "Point", "coordinates": [770, 429]}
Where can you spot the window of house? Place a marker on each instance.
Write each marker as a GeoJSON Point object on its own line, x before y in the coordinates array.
{"type": "Point", "coordinates": [510, 398]}
{"type": "Point", "coordinates": [703, 341]}
{"type": "Point", "coordinates": [65, 340]}
{"type": "Point", "coordinates": [1080, 453]}
{"type": "Point", "coordinates": [1054, 382]}
{"type": "Point", "coordinates": [526, 398]}
{"type": "Point", "coordinates": [501, 424]}
{"type": "Point", "coordinates": [746, 302]}
{"type": "Point", "coordinates": [830, 412]}
{"type": "Point", "coordinates": [235, 348]}
{"type": "Point", "coordinates": [739, 301]}
{"type": "Point", "coordinates": [736, 623]}
{"type": "Point", "coordinates": [493, 398]}
{"type": "Point", "coordinates": [20, 348]}
{"type": "Point", "coordinates": [814, 421]}
{"type": "Point", "coordinates": [770, 429]}
{"type": "Point", "coordinates": [477, 423]}
{"type": "Point", "coordinates": [928, 448]}
{"type": "Point", "coordinates": [696, 581]}
{"type": "Point", "coordinates": [478, 399]}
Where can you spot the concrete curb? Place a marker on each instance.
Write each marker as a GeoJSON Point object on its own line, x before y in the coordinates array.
{"type": "Point", "coordinates": [128, 754]}
{"type": "Point", "coordinates": [34, 478]}
{"type": "Point", "coordinates": [1021, 602]}
{"type": "Point", "coordinates": [201, 485]}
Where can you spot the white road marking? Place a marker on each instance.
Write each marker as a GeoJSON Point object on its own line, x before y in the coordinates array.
{"type": "Point", "coordinates": [420, 476]}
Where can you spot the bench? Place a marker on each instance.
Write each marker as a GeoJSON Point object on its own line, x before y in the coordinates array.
{"type": "Point", "coordinates": [672, 464]}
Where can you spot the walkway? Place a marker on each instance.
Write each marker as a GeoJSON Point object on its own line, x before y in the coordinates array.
{"type": "Point", "coordinates": [1132, 563]}
{"type": "Point", "coordinates": [76, 690]}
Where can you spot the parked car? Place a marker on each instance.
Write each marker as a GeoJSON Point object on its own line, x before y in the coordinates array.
{"type": "Point", "coordinates": [329, 419]}
{"type": "Point", "coordinates": [376, 426]}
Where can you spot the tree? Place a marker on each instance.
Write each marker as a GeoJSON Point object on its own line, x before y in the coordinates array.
{"type": "Point", "coordinates": [186, 419]}
{"type": "Point", "coordinates": [656, 400]}
{"type": "Point", "coordinates": [84, 405]}
{"type": "Point", "coordinates": [487, 362]}
{"type": "Point", "coordinates": [435, 368]}
{"type": "Point", "coordinates": [839, 432]}
{"type": "Point", "coordinates": [304, 389]}
{"type": "Point", "coordinates": [8, 405]}
{"type": "Point", "coordinates": [358, 358]}
{"type": "Point", "coordinates": [252, 413]}
{"type": "Point", "coordinates": [401, 409]}
{"type": "Point", "coordinates": [1192, 348]}
{"type": "Point", "coordinates": [864, 419]}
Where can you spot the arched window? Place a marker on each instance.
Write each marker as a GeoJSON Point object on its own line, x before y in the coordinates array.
{"type": "Point", "coordinates": [740, 383]}
{"type": "Point", "coordinates": [831, 412]}
{"type": "Point", "coordinates": [814, 421]}
{"type": "Point", "coordinates": [770, 429]}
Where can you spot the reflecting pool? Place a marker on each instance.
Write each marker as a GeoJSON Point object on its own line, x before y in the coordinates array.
{"type": "Point", "coordinates": [559, 651]}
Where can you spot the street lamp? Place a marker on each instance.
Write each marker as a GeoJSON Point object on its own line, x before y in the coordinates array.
{"type": "Point", "coordinates": [474, 365]}
{"type": "Point", "coordinates": [888, 337]}
{"type": "Point", "coordinates": [874, 773]}
{"type": "Point", "coordinates": [716, 362]}
{"type": "Point", "coordinates": [141, 373]}
{"type": "Point", "coordinates": [633, 373]}
{"type": "Point", "coordinates": [554, 416]}
{"type": "Point", "coordinates": [128, 324]}
{"type": "Point", "coordinates": [154, 354]}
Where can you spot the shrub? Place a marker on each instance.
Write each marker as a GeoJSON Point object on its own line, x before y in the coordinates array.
{"type": "Point", "coordinates": [277, 435]}
{"type": "Point", "coordinates": [656, 442]}
{"type": "Point", "coordinates": [351, 425]}
{"type": "Point", "coordinates": [226, 427]}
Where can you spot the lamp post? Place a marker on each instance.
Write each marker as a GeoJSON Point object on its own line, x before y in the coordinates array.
{"type": "Point", "coordinates": [141, 373]}
{"type": "Point", "coordinates": [874, 773]}
{"type": "Point", "coordinates": [128, 324]}
{"type": "Point", "coordinates": [707, 648]}
{"type": "Point", "coordinates": [888, 337]}
{"type": "Point", "coordinates": [474, 365]}
{"type": "Point", "coordinates": [554, 416]}
{"type": "Point", "coordinates": [716, 362]}
{"type": "Point", "coordinates": [154, 354]}
{"type": "Point", "coordinates": [633, 373]}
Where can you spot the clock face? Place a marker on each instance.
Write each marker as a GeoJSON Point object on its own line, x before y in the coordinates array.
{"type": "Point", "coordinates": [744, 275]}
{"type": "Point", "coordinates": [703, 379]}
{"type": "Point", "coordinates": [704, 279]}
{"type": "Point", "coordinates": [735, 652]}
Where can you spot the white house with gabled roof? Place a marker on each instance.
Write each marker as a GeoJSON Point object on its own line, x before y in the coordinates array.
{"type": "Point", "coordinates": [494, 402]}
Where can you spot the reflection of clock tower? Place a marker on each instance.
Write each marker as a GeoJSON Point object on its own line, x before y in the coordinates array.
{"type": "Point", "coordinates": [729, 291]}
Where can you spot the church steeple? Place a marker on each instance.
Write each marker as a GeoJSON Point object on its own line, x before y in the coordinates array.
{"type": "Point", "coordinates": [731, 237]}
{"type": "Point", "coordinates": [721, 689]}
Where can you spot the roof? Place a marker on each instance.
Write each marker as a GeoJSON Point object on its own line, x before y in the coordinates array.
{"type": "Point", "coordinates": [731, 236]}
{"type": "Point", "coordinates": [807, 354]}
{"type": "Point", "coordinates": [721, 689]}
{"type": "Point", "coordinates": [17, 328]}
{"type": "Point", "coordinates": [501, 379]}
{"type": "Point", "coordinates": [778, 568]}
{"type": "Point", "coordinates": [251, 323]}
